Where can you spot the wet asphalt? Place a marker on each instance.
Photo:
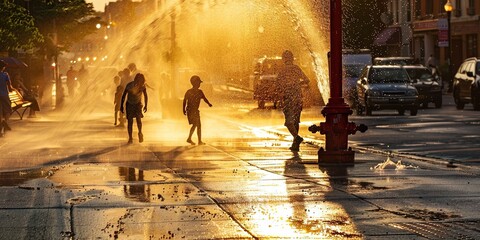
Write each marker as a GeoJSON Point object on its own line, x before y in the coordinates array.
{"type": "Point", "coordinates": [82, 181]}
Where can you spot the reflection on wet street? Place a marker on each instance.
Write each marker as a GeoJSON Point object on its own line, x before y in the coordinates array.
{"type": "Point", "coordinates": [232, 188]}
{"type": "Point", "coordinates": [244, 184]}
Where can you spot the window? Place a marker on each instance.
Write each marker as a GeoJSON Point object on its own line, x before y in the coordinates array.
{"type": "Point", "coordinates": [471, 7]}
{"type": "Point", "coordinates": [458, 8]}
{"type": "Point", "coordinates": [409, 12]}
{"type": "Point", "coordinates": [418, 8]}
{"type": "Point", "coordinates": [429, 7]}
{"type": "Point", "coordinates": [471, 67]}
{"type": "Point", "coordinates": [471, 45]}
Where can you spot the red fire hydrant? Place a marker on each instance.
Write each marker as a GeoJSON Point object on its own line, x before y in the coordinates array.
{"type": "Point", "coordinates": [336, 126]}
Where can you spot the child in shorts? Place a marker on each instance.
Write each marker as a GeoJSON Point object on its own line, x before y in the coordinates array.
{"type": "Point", "coordinates": [191, 102]}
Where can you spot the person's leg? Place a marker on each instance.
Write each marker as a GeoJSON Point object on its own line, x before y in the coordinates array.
{"type": "Point", "coordinates": [7, 117]}
{"type": "Point", "coordinates": [192, 129]}
{"type": "Point", "coordinates": [293, 125]}
{"type": "Point", "coordinates": [139, 126]}
{"type": "Point", "coordinates": [130, 129]}
{"type": "Point", "coordinates": [116, 114]}
{"type": "Point", "coordinates": [199, 134]}
{"type": "Point", "coordinates": [121, 120]}
{"type": "Point", "coordinates": [292, 128]}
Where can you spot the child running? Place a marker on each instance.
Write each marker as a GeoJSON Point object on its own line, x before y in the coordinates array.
{"type": "Point", "coordinates": [191, 102]}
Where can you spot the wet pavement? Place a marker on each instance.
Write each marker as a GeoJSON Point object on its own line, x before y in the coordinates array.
{"type": "Point", "coordinates": [82, 181]}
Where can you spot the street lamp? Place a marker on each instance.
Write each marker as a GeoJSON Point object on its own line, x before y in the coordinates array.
{"type": "Point", "coordinates": [449, 8]}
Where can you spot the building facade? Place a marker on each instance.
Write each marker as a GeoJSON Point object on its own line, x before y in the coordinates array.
{"type": "Point", "coordinates": [423, 25]}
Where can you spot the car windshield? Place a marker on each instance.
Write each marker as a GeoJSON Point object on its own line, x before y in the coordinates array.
{"type": "Point", "coordinates": [353, 71]}
{"type": "Point", "coordinates": [387, 75]}
{"type": "Point", "coordinates": [419, 74]}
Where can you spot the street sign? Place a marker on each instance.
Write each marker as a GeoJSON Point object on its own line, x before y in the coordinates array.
{"type": "Point", "coordinates": [442, 32]}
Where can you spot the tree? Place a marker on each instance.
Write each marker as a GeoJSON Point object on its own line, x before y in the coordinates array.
{"type": "Point", "coordinates": [62, 22]}
{"type": "Point", "coordinates": [17, 29]}
{"type": "Point", "coordinates": [361, 22]}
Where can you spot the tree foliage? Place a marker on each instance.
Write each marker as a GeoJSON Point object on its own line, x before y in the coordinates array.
{"type": "Point", "coordinates": [61, 22]}
{"type": "Point", "coordinates": [361, 22]}
{"type": "Point", "coordinates": [17, 29]}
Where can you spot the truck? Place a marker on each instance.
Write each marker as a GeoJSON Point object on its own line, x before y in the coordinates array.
{"type": "Point", "coordinates": [354, 60]}
{"type": "Point", "coordinates": [265, 88]}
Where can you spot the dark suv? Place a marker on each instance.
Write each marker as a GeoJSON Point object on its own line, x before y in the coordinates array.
{"type": "Point", "coordinates": [466, 84]}
{"type": "Point", "coordinates": [385, 87]}
{"type": "Point", "coordinates": [428, 85]}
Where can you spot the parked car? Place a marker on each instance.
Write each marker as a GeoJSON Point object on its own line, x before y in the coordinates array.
{"type": "Point", "coordinates": [466, 84]}
{"type": "Point", "coordinates": [395, 61]}
{"type": "Point", "coordinates": [264, 81]}
{"type": "Point", "coordinates": [354, 60]}
{"type": "Point", "coordinates": [427, 84]}
{"type": "Point", "coordinates": [385, 87]}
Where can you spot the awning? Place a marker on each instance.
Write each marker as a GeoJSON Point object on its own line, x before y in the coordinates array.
{"type": "Point", "coordinates": [388, 36]}
{"type": "Point", "coordinates": [13, 62]}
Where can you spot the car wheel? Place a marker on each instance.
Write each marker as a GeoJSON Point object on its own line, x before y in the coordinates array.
{"type": "Point", "coordinates": [438, 102]}
{"type": "Point", "coordinates": [401, 111]}
{"type": "Point", "coordinates": [458, 103]}
{"type": "Point", "coordinates": [413, 111]}
{"type": "Point", "coordinates": [261, 104]}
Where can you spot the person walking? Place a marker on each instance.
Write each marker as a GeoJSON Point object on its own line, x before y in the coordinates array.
{"type": "Point", "coordinates": [71, 82]}
{"type": "Point", "coordinates": [191, 103]}
{"type": "Point", "coordinates": [290, 79]}
{"type": "Point", "coordinates": [5, 104]}
{"type": "Point", "coordinates": [134, 91]}
{"type": "Point", "coordinates": [83, 79]}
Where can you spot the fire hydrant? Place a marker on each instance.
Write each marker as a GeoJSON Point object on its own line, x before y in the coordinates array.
{"type": "Point", "coordinates": [336, 129]}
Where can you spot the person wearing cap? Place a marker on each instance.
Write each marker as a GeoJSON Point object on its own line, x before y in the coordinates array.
{"type": "Point", "coordinates": [191, 103]}
{"type": "Point", "coordinates": [5, 104]}
{"type": "Point", "coordinates": [290, 80]}
{"type": "Point", "coordinates": [135, 90]}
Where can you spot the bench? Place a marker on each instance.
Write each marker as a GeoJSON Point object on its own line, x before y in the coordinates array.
{"type": "Point", "coordinates": [17, 103]}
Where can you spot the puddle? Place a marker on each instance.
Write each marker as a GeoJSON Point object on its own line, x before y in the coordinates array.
{"type": "Point", "coordinates": [139, 185]}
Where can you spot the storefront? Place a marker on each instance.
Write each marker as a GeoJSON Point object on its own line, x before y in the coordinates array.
{"type": "Point", "coordinates": [464, 41]}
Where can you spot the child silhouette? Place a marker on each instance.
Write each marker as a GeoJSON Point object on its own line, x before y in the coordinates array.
{"type": "Point", "coordinates": [191, 102]}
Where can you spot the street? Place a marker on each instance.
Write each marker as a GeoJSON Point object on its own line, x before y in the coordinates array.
{"type": "Point", "coordinates": [79, 179]}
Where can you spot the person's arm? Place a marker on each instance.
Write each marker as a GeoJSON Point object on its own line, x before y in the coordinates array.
{"type": "Point", "coordinates": [206, 100]}
{"type": "Point", "coordinates": [184, 104]}
{"type": "Point", "coordinates": [303, 76]}
{"type": "Point", "coordinates": [9, 84]}
{"type": "Point", "coordinates": [145, 96]}
{"type": "Point", "coordinates": [123, 100]}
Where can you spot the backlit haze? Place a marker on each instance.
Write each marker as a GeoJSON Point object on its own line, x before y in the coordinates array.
{"type": "Point", "coordinates": [99, 5]}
